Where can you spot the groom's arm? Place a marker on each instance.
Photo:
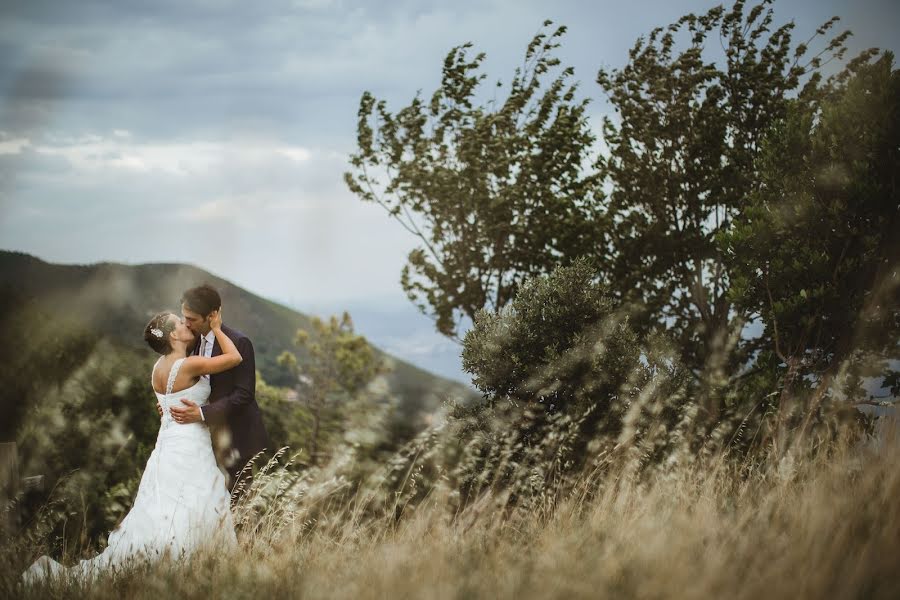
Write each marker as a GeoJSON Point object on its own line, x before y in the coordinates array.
{"type": "Point", "coordinates": [244, 391]}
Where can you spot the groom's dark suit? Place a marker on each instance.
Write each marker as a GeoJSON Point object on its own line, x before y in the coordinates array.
{"type": "Point", "coordinates": [232, 414]}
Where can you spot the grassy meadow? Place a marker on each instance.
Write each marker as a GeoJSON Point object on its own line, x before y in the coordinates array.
{"type": "Point", "coordinates": [825, 526]}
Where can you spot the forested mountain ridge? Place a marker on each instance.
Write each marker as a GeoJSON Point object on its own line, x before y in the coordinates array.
{"type": "Point", "coordinates": [114, 302]}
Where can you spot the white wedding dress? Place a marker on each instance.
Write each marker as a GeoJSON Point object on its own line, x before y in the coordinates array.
{"type": "Point", "coordinates": [182, 502]}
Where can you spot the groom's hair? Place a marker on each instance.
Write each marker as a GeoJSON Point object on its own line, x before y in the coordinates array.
{"type": "Point", "coordinates": [202, 299]}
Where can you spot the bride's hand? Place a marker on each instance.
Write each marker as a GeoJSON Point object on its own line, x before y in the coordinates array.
{"type": "Point", "coordinates": [215, 319]}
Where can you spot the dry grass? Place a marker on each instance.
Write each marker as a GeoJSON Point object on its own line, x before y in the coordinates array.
{"type": "Point", "coordinates": [827, 527]}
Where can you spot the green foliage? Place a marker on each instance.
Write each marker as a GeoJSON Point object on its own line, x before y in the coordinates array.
{"type": "Point", "coordinates": [338, 364]}
{"type": "Point", "coordinates": [682, 160]}
{"type": "Point", "coordinates": [49, 347]}
{"type": "Point", "coordinates": [336, 359]}
{"type": "Point", "coordinates": [494, 193]}
{"type": "Point", "coordinates": [567, 380]}
{"type": "Point", "coordinates": [816, 254]}
{"type": "Point", "coordinates": [689, 159]}
{"type": "Point", "coordinates": [90, 438]}
{"type": "Point", "coordinates": [560, 342]}
{"type": "Point", "coordinates": [501, 192]}
{"type": "Point", "coordinates": [287, 423]}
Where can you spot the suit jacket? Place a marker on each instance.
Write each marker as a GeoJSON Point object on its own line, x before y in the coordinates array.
{"type": "Point", "coordinates": [232, 414]}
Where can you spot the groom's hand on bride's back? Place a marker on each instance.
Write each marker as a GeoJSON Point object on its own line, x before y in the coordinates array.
{"type": "Point", "coordinates": [189, 413]}
{"type": "Point", "coordinates": [159, 409]}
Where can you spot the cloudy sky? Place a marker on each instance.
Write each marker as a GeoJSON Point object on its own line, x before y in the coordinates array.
{"type": "Point", "coordinates": [216, 132]}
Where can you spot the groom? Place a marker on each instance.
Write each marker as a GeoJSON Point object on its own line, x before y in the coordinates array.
{"type": "Point", "coordinates": [232, 414]}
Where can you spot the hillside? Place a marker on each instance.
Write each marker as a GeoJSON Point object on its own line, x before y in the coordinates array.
{"type": "Point", "coordinates": [116, 300]}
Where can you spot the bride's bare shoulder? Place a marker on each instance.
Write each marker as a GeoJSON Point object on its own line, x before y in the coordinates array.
{"type": "Point", "coordinates": [191, 364]}
{"type": "Point", "coordinates": [158, 376]}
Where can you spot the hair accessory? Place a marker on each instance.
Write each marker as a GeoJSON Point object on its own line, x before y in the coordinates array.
{"type": "Point", "coordinates": [156, 332]}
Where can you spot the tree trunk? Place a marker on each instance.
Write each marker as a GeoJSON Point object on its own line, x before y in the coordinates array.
{"type": "Point", "coordinates": [9, 482]}
{"type": "Point", "coordinates": [314, 446]}
{"type": "Point", "coordinates": [786, 404]}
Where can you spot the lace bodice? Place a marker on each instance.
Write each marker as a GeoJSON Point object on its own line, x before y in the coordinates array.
{"type": "Point", "coordinates": [197, 393]}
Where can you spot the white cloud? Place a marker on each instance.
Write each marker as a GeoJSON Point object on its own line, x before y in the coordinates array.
{"type": "Point", "coordinates": [14, 145]}
{"type": "Point", "coordinates": [91, 153]}
{"type": "Point", "coordinates": [296, 154]}
{"type": "Point", "coordinates": [214, 210]}
{"type": "Point", "coordinates": [271, 216]}
{"type": "Point", "coordinates": [312, 4]}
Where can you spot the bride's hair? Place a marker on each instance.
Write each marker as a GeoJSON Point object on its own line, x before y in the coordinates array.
{"type": "Point", "coordinates": [157, 331]}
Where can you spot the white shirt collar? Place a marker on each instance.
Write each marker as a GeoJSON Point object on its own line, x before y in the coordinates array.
{"type": "Point", "coordinates": [210, 337]}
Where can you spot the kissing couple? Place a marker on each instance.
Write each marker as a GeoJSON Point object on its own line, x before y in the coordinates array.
{"type": "Point", "coordinates": [205, 383]}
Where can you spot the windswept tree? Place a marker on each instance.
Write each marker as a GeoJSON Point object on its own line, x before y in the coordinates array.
{"type": "Point", "coordinates": [816, 253]}
{"type": "Point", "coordinates": [500, 193]}
{"type": "Point", "coordinates": [495, 192]}
{"type": "Point", "coordinates": [682, 163]}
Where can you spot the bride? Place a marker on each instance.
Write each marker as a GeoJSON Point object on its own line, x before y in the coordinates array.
{"type": "Point", "coordinates": [182, 502]}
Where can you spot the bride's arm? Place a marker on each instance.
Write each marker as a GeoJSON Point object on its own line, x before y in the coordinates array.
{"type": "Point", "coordinates": [230, 357]}
{"type": "Point", "coordinates": [195, 366]}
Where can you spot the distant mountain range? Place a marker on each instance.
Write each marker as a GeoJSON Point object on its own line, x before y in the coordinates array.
{"type": "Point", "coordinates": [117, 300]}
